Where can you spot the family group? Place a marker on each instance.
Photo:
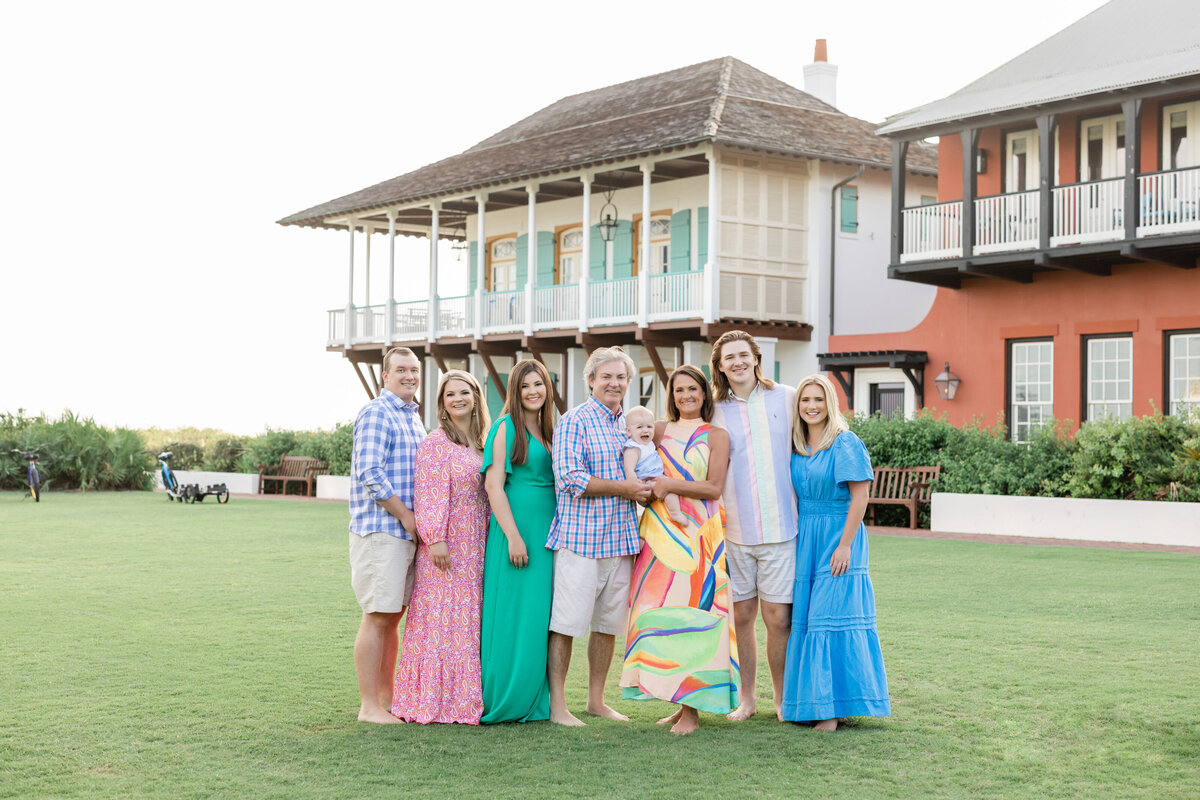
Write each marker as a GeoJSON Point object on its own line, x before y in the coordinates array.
{"type": "Point", "coordinates": [507, 541]}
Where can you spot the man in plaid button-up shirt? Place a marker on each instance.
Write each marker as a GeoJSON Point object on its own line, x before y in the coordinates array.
{"type": "Point", "coordinates": [383, 527]}
{"type": "Point", "coordinates": [594, 533]}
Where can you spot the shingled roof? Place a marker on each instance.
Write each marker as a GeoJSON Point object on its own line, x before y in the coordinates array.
{"type": "Point", "coordinates": [725, 101]}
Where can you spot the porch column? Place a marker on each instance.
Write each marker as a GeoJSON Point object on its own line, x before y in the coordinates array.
{"type": "Point", "coordinates": [577, 388]}
{"type": "Point", "coordinates": [431, 309]}
{"type": "Point", "coordinates": [899, 177]}
{"type": "Point", "coordinates": [390, 316]}
{"type": "Point", "coordinates": [480, 263]}
{"type": "Point", "coordinates": [429, 383]}
{"type": "Point", "coordinates": [970, 140]}
{"type": "Point", "coordinates": [585, 268]}
{"type": "Point", "coordinates": [1045, 128]}
{"type": "Point", "coordinates": [767, 343]}
{"type": "Point", "coordinates": [530, 258]}
{"type": "Point", "coordinates": [633, 395]}
{"type": "Point", "coordinates": [349, 326]}
{"type": "Point", "coordinates": [712, 270]}
{"type": "Point", "coordinates": [643, 284]}
{"type": "Point", "coordinates": [696, 353]}
{"type": "Point", "coordinates": [1132, 109]}
{"type": "Point", "coordinates": [368, 231]}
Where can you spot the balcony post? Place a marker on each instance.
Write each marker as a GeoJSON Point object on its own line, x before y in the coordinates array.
{"type": "Point", "coordinates": [390, 316]}
{"type": "Point", "coordinates": [431, 309]}
{"type": "Point", "coordinates": [1132, 109]}
{"type": "Point", "coordinates": [899, 178]}
{"type": "Point", "coordinates": [712, 270]}
{"type": "Point", "coordinates": [643, 283]}
{"type": "Point", "coordinates": [1045, 128]}
{"type": "Point", "coordinates": [480, 262]}
{"type": "Point", "coordinates": [585, 268]}
{"type": "Point", "coordinates": [349, 326]}
{"type": "Point", "coordinates": [970, 140]}
{"type": "Point", "coordinates": [530, 257]}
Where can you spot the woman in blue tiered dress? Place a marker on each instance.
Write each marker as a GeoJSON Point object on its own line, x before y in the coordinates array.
{"type": "Point", "coordinates": [834, 663]}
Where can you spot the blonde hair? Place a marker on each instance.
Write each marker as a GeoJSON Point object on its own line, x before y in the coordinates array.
{"type": "Point", "coordinates": [719, 381]}
{"type": "Point", "coordinates": [602, 355]}
{"type": "Point", "coordinates": [834, 425]}
{"type": "Point", "coordinates": [638, 411]}
{"type": "Point", "coordinates": [480, 420]}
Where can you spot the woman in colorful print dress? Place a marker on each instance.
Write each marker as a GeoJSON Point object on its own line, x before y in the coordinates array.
{"type": "Point", "coordinates": [437, 677]}
{"type": "Point", "coordinates": [518, 570]}
{"type": "Point", "coordinates": [680, 644]}
{"type": "Point", "coordinates": [834, 663]}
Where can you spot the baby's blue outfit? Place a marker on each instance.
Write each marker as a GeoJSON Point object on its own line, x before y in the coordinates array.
{"type": "Point", "coordinates": [649, 464]}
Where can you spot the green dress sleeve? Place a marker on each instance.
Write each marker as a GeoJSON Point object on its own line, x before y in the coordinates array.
{"type": "Point", "coordinates": [489, 452]}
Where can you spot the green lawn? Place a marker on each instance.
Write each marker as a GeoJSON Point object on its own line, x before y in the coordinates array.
{"type": "Point", "coordinates": [152, 649]}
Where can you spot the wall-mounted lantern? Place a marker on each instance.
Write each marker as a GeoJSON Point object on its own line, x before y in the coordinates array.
{"type": "Point", "coordinates": [980, 161]}
{"type": "Point", "coordinates": [608, 218]}
{"type": "Point", "coordinates": [459, 245]}
{"type": "Point", "coordinates": [947, 383]}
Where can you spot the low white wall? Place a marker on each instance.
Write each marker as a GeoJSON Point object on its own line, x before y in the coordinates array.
{"type": "Point", "coordinates": [333, 487]}
{"type": "Point", "coordinates": [236, 482]}
{"type": "Point", "coordinates": [1137, 521]}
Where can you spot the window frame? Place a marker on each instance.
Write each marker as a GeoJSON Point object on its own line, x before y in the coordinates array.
{"type": "Point", "coordinates": [491, 242]}
{"type": "Point", "coordinates": [1009, 384]}
{"type": "Point", "coordinates": [559, 232]}
{"type": "Point", "coordinates": [1168, 363]}
{"type": "Point", "coordinates": [1085, 373]}
{"type": "Point", "coordinates": [637, 239]}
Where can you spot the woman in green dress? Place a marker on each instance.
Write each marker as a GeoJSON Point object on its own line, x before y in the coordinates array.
{"type": "Point", "coordinates": [518, 569]}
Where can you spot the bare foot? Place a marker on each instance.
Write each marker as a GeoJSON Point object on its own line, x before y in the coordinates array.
{"type": "Point", "coordinates": [565, 717]}
{"type": "Point", "coordinates": [671, 719]}
{"type": "Point", "coordinates": [688, 722]}
{"type": "Point", "coordinates": [743, 712]}
{"type": "Point", "coordinates": [377, 716]}
{"type": "Point", "coordinates": [604, 710]}
{"type": "Point", "coordinates": [826, 725]}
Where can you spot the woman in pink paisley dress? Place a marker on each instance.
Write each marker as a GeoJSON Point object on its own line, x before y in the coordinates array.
{"type": "Point", "coordinates": [437, 676]}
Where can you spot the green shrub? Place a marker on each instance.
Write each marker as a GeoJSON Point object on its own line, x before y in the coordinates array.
{"type": "Point", "coordinates": [333, 447]}
{"type": "Point", "coordinates": [185, 455]}
{"type": "Point", "coordinates": [223, 454]}
{"type": "Point", "coordinates": [76, 453]}
{"type": "Point", "coordinates": [266, 448]}
{"type": "Point", "coordinates": [1134, 459]}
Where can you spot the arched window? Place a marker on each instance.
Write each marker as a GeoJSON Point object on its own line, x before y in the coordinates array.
{"type": "Point", "coordinates": [570, 255]}
{"type": "Point", "coordinates": [502, 267]}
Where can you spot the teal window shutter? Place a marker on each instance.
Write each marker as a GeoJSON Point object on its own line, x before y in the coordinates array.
{"type": "Point", "coordinates": [597, 268]}
{"type": "Point", "coordinates": [473, 265]}
{"type": "Point", "coordinates": [701, 237]}
{"type": "Point", "coordinates": [681, 241]}
{"type": "Point", "coordinates": [849, 209]}
{"type": "Point", "coordinates": [623, 250]}
{"type": "Point", "coordinates": [545, 259]}
{"type": "Point", "coordinates": [522, 260]}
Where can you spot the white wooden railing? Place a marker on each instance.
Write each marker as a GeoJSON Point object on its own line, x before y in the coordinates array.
{"type": "Point", "coordinates": [1088, 212]}
{"type": "Point", "coordinates": [676, 294]}
{"type": "Point", "coordinates": [370, 324]}
{"type": "Point", "coordinates": [337, 326]}
{"type": "Point", "coordinates": [556, 306]}
{"type": "Point", "coordinates": [503, 311]}
{"type": "Point", "coordinates": [933, 231]}
{"type": "Point", "coordinates": [1006, 222]}
{"type": "Point", "coordinates": [1170, 202]}
{"type": "Point", "coordinates": [456, 316]}
{"type": "Point", "coordinates": [613, 302]}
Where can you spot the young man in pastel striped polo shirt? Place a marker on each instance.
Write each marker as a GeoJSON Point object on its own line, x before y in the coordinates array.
{"type": "Point", "coordinates": [760, 506]}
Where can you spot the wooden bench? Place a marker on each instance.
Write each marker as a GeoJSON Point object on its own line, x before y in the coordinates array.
{"type": "Point", "coordinates": [292, 469]}
{"type": "Point", "coordinates": [902, 486]}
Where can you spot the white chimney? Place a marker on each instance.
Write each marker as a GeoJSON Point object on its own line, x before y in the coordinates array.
{"type": "Point", "coordinates": [820, 77]}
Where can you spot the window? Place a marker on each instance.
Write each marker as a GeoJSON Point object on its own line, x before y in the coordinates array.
{"type": "Point", "coordinates": [1108, 377]}
{"type": "Point", "coordinates": [1021, 161]}
{"type": "Point", "coordinates": [849, 209]}
{"type": "Point", "coordinates": [1102, 148]}
{"type": "Point", "coordinates": [1031, 386]}
{"type": "Point", "coordinates": [502, 264]}
{"type": "Point", "coordinates": [928, 200]}
{"type": "Point", "coordinates": [887, 399]}
{"type": "Point", "coordinates": [660, 242]}
{"type": "Point", "coordinates": [1183, 368]}
{"type": "Point", "coordinates": [1179, 140]}
{"type": "Point", "coordinates": [570, 255]}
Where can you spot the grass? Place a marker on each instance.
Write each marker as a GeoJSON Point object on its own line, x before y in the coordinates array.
{"type": "Point", "coordinates": [152, 649]}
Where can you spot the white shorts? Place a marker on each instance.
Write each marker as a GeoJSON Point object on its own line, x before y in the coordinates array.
{"type": "Point", "coordinates": [381, 572]}
{"type": "Point", "coordinates": [590, 592]}
{"type": "Point", "coordinates": [766, 571]}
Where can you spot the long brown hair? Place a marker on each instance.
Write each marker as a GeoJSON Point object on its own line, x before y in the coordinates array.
{"type": "Point", "coordinates": [480, 421]}
{"type": "Point", "coordinates": [519, 448]}
{"type": "Point", "coordinates": [706, 407]}
{"type": "Point", "coordinates": [719, 381]}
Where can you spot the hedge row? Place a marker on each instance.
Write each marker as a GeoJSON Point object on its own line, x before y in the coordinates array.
{"type": "Point", "coordinates": [228, 453]}
{"type": "Point", "coordinates": [75, 453]}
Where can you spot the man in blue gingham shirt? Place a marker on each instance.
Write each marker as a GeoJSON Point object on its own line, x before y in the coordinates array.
{"type": "Point", "coordinates": [594, 532]}
{"type": "Point", "coordinates": [382, 526]}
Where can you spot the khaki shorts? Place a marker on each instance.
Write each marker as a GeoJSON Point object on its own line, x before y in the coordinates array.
{"type": "Point", "coordinates": [590, 592]}
{"type": "Point", "coordinates": [381, 572]}
{"type": "Point", "coordinates": [766, 571]}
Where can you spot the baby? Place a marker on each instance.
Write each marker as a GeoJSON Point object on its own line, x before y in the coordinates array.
{"type": "Point", "coordinates": [641, 459]}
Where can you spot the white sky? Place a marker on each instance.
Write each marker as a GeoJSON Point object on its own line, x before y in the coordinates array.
{"type": "Point", "coordinates": [147, 149]}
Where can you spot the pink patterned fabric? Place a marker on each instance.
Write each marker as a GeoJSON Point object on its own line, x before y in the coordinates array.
{"type": "Point", "coordinates": [437, 676]}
